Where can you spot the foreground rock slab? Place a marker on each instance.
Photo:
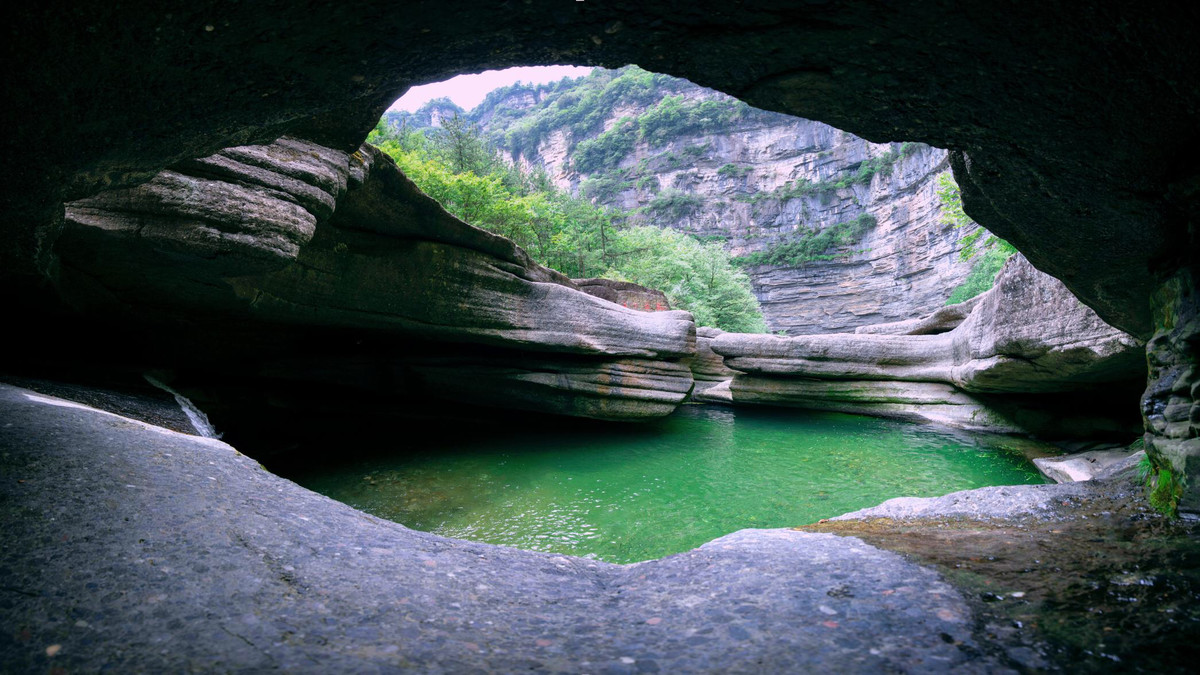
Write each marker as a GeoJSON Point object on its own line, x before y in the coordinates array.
{"type": "Point", "coordinates": [1081, 577]}
{"type": "Point", "coordinates": [134, 548]}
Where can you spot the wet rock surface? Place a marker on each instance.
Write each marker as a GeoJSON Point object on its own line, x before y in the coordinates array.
{"type": "Point", "coordinates": [1171, 402]}
{"type": "Point", "coordinates": [134, 548]}
{"type": "Point", "coordinates": [1076, 577]}
{"type": "Point", "coordinates": [708, 368]}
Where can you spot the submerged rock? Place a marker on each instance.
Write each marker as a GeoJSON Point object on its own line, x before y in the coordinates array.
{"type": "Point", "coordinates": [1028, 335]}
{"type": "Point", "coordinates": [271, 243]}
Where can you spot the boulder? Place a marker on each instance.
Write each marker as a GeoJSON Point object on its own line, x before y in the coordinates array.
{"type": "Point", "coordinates": [942, 320]}
{"type": "Point", "coordinates": [625, 294]}
{"type": "Point", "coordinates": [1088, 465]}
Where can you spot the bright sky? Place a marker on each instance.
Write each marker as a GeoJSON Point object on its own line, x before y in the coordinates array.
{"type": "Point", "coordinates": [468, 90]}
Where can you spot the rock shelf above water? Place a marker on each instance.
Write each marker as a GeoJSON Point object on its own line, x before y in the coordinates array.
{"type": "Point", "coordinates": [1028, 336]}
{"type": "Point", "coordinates": [277, 243]}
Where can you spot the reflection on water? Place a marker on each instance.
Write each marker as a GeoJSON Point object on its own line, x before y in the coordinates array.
{"type": "Point", "coordinates": [664, 487]}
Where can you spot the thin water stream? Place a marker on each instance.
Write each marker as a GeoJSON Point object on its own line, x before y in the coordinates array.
{"type": "Point", "coordinates": [647, 491]}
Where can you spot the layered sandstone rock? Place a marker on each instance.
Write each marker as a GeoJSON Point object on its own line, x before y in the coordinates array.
{"type": "Point", "coordinates": [291, 238]}
{"type": "Point", "coordinates": [1028, 335]}
{"type": "Point", "coordinates": [744, 176]}
{"type": "Point", "coordinates": [625, 294]}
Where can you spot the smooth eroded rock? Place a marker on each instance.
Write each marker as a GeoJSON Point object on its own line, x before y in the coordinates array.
{"type": "Point", "coordinates": [269, 244]}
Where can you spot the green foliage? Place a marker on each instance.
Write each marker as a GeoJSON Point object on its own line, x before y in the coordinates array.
{"type": "Point", "coordinates": [673, 204]}
{"type": "Point", "coordinates": [1164, 487]}
{"type": "Point", "coordinates": [987, 250]}
{"type": "Point", "coordinates": [694, 276]}
{"type": "Point", "coordinates": [810, 245]}
{"type": "Point", "coordinates": [981, 277]}
{"type": "Point", "coordinates": [570, 234]}
{"type": "Point", "coordinates": [648, 184]}
{"type": "Point", "coordinates": [459, 144]}
{"type": "Point", "coordinates": [673, 117]}
{"type": "Point", "coordinates": [606, 150]}
{"type": "Point", "coordinates": [734, 171]}
{"type": "Point", "coordinates": [579, 105]}
{"type": "Point", "coordinates": [607, 186]}
{"type": "Point", "coordinates": [802, 187]}
{"type": "Point", "coordinates": [866, 171]}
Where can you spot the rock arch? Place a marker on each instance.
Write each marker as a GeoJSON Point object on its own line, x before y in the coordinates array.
{"type": "Point", "coordinates": [1073, 129]}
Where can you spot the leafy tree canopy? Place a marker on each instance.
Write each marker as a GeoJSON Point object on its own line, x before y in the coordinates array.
{"type": "Point", "coordinates": [459, 169]}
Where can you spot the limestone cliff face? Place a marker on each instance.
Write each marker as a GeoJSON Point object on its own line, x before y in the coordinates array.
{"type": "Point", "coordinates": [759, 182]}
{"type": "Point", "coordinates": [332, 271]}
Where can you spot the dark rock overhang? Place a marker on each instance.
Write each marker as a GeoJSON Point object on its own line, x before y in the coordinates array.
{"type": "Point", "coordinates": [1073, 127]}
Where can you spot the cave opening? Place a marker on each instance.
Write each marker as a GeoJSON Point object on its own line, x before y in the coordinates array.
{"type": "Point", "coordinates": [598, 148]}
{"type": "Point", "coordinates": [1067, 143]}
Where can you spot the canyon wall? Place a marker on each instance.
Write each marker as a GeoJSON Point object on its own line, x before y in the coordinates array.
{"type": "Point", "coordinates": [673, 154]}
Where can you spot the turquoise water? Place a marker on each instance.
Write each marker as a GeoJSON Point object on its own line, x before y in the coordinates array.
{"type": "Point", "coordinates": [642, 492]}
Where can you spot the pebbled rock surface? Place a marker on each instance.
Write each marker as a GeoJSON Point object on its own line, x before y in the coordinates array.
{"type": "Point", "coordinates": [133, 548]}
{"type": "Point", "coordinates": [263, 241]}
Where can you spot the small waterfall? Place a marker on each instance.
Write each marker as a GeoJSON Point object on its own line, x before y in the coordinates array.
{"type": "Point", "coordinates": [196, 416]}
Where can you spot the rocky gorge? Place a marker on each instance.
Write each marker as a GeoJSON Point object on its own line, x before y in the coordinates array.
{"type": "Point", "coordinates": [701, 162]}
{"type": "Point", "coordinates": [1070, 132]}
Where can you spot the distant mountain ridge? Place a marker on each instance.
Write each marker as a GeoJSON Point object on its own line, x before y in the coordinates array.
{"type": "Point", "coordinates": [835, 232]}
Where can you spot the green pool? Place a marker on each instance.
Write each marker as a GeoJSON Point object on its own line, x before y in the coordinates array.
{"type": "Point", "coordinates": [640, 492]}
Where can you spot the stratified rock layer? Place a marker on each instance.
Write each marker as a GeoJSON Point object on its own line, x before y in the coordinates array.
{"type": "Point", "coordinates": [1028, 335]}
{"type": "Point", "coordinates": [708, 367]}
{"type": "Point", "coordinates": [297, 237]}
{"type": "Point", "coordinates": [755, 183]}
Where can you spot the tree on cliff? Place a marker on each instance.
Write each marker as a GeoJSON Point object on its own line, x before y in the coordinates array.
{"type": "Point", "coordinates": [580, 239]}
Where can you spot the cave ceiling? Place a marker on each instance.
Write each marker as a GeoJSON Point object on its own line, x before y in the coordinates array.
{"type": "Point", "coordinates": [1074, 126]}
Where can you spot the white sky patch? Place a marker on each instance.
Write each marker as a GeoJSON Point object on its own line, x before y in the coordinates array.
{"type": "Point", "coordinates": [468, 90]}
